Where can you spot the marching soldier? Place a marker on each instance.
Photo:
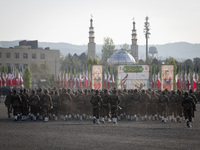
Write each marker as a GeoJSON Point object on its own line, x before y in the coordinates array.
{"type": "Point", "coordinates": [33, 102]}
{"type": "Point", "coordinates": [24, 104]}
{"type": "Point", "coordinates": [136, 104]}
{"type": "Point", "coordinates": [163, 106]}
{"type": "Point", "coordinates": [145, 99]}
{"type": "Point", "coordinates": [56, 104]}
{"type": "Point", "coordinates": [16, 101]}
{"type": "Point", "coordinates": [114, 102]}
{"type": "Point", "coordinates": [8, 103]}
{"type": "Point", "coordinates": [105, 106]}
{"type": "Point", "coordinates": [179, 106]}
{"type": "Point", "coordinates": [46, 105]}
{"type": "Point", "coordinates": [188, 106]}
{"type": "Point", "coordinates": [191, 94]}
{"type": "Point", "coordinates": [154, 105]}
{"type": "Point", "coordinates": [66, 101]}
{"type": "Point", "coordinates": [173, 106]}
{"type": "Point", "coordinates": [96, 102]}
{"type": "Point", "coordinates": [129, 97]}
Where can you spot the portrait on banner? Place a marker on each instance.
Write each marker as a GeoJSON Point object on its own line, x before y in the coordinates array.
{"type": "Point", "coordinates": [167, 77]}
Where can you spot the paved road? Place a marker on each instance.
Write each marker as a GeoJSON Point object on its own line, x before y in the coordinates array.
{"type": "Point", "coordinates": [85, 135]}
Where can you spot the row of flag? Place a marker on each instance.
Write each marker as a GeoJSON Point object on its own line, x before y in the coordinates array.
{"type": "Point", "coordinates": [11, 79]}
{"type": "Point", "coordinates": [83, 80]}
{"type": "Point", "coordinates": [184, 82]}
{"type": "Point", "coordinates": [156, 81]}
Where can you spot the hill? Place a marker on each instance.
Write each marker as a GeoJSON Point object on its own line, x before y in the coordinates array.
{"type": "Point", "coordinates": [178, 50]}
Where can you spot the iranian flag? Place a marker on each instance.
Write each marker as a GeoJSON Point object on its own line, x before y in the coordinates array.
{"type": "Point", "coordinates": [90, 80]}
{"type": "Point", "coordinates": [188, 80]}
{"type": "Point", "coordinates": [108, 80]}
{"type": "Point", "coordinates": [63, 79]}
{"type": "Point", "coordinates": [86, 78]}
{"type": "Point", "coordinates": [153, 81]}
{"type": "Point", "coordinates": [113, 80]}
{"type": "Point", "coordinates": [159, 82]}
{"type": "Point", "coordinates": [76, 80]}
{"type": "Point", "coordinates": [69, 81]}
{"type": "Point", "coordinates": [194, 81]}
{"type": "Point", "coordinates": [105, 78]}
{"type": "Point", "coordinates": [66, 80]}
{"type": "Point", "coordinates": [73, 80]}
{"type": "Point", "coordinates": [80, 80]}
{"type": "Point", "coordinates": [197, 81]}
{"type": "Point", "coordinates": [177, 81]}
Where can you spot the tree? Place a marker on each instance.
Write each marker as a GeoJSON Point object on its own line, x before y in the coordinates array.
{"type": "Point", "coordinates": [126, 47]}
{"type": "Point", "coordinates": [147, 33]}
{"type": "Point", "coordinates": [108, 49]}
{"type": "Point", "coordinates": [27, 78]}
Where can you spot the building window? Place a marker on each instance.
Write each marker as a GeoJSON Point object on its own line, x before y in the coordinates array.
{"type": "Point", "coordinates": [16, 55]}
{"type": "Point", "coordinates": [25, 55]}
{"type": "Point", "coordinates": [17, 66]}
{"type": "Point", "coordinates": [7, 55]}
{"type": "Point", "coordinates": [42, 56]}
{"type": "Point", "coordinates": [0, 55]}
{"type": "Point", "coordinates": [8, 65]}
{"type": "Point", "coordinates": [34, 56]}
{"type": "Point", "coordinates": [25, 65]}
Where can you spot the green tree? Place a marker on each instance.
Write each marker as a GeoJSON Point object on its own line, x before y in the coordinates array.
{"type": "Point", "coordinates": [126, 47]}
{"type": "Point", "coordinates": [108, 49]}
{"type": "Point", "coordinates": [27, 78]}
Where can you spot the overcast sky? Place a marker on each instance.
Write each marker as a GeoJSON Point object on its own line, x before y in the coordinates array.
{"type": "Point", "coordinates": [68, 20]}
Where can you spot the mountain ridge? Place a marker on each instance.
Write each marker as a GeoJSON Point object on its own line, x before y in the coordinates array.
{"type": "Point", "coordinates": [186, 49]}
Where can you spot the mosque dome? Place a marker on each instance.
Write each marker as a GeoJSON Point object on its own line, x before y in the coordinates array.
{"type": "Point", "coordinates": [121, 57]}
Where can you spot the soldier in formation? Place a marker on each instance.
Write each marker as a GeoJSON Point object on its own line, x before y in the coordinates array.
{"type": "Point", "coordinates": [103, 105]}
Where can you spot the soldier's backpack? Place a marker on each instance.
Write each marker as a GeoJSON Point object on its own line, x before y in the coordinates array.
{"type": "Point", "coordinates": [55, 100]}
{"type": "Point", "coordinates": [162, 101]}
{"type": "Point", "coordinates": [187, 104]}
{"type": "Point", "coordinates": [113, 100]}
{"type": "Point", "coordinates": [45, 100]}
{"type": "Point", "coordinates": [33, 100]}
{"type": "Point", "coordinates": [95, 100]}
{"type": "Point", "coordinates": [173, 100]}
{"type": "Point", "coordinates": [16, 101]}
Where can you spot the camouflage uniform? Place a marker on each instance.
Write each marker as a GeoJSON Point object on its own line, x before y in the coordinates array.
{"type": "Point", "coordinates": [154, 105]}
{"type": "Point", "coordinates": [96, 102]}
{"type": "Point", "coordinates": [173, 106]}
{"type": "Point", "coordinates": [114, 102]}
{"type": "Point", "coordinates": [188, 106]}
{"type": "Point", "coordinates": [16, 102]}
{"type": "Point", "coordinates": [8, 103]}
{"type": "Point", "coordinates": [136, 104]}
{"type": "Point", "coordinates": [105, 106]}
{"type": "Point", "coordinates": [33, 103]}
{"type": "Point", "coordinates": [145, 99]}
{"type": "Point", "coordinates": [163, 106]}
{"type": "Point", "coordinates": [66, 101]}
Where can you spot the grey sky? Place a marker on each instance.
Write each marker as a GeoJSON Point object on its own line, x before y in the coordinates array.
{"type": "Point", "coordinates": [68, 20]}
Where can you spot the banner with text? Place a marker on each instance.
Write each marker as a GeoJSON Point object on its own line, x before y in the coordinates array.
{"type": "Point", "coordinates": [133, 77]}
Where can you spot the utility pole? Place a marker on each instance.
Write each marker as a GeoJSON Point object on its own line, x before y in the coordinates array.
{"type": "Point", "coordinates": [147, 33]}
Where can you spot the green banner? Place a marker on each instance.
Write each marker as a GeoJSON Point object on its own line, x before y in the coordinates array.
{"type": "Point", "coordinates": [132, 69]}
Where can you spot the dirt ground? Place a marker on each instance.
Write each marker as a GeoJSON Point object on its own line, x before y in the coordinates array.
{"type": "Point", "coordinates": [85, 135]}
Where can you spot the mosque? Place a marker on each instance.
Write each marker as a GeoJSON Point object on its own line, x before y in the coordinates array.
{"type": "Point", "coordinates": [120, 57]}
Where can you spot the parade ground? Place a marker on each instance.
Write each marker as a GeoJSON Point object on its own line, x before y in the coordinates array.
{"type": "Point", "coordinates": [150, 135]}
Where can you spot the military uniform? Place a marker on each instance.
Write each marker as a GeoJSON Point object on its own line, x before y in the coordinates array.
{"type": "Point", "coordinates": [33, 103]}
{"type": "Point", "coordinates": [114, 102]}
{"type": "Point", "coordinates": [96, 102]}
{"type": "Point", "coordinates": [153, 106]}
{"type": "Point", "coordinates": [8, 104]}
{"type": "Point", "coordinates": [16, 102]}
{"type": "Point", "coordinates": [145, 99]}
{"type": "Point", "coordinates": [105, 106]}
{"type": "Point", "coordinates": [188, 106]}
{"type": "Point", "coordinates": [56, 105]}
{"type": "Point", "coordinates": [163, 106]}
{"type": "Point", "coordinates": [24, 105]}
{"type": "Point", "coordinates": [136, 104]}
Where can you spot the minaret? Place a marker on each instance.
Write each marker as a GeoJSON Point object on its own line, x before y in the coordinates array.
{"type": "Point", "coordinates": [91, 44]}
{"type": "Point", "coordinates": [134, 46]}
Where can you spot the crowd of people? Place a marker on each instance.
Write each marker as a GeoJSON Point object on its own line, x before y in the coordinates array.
{"type": "Point", "coordinates": [101, 106]}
